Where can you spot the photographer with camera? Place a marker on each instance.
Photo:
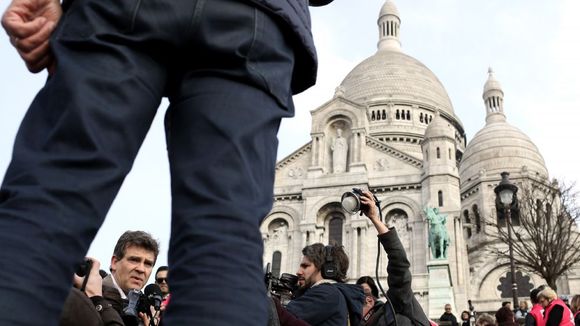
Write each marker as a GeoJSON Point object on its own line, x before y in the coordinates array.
{"type": "Point", "coordinates": [403, 309]}
{"type": "Point", "coordinates": [85, 304]}
{"type": "Point", "coordinates": [325, 299]}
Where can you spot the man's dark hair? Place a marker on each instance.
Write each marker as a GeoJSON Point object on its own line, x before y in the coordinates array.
{"type": "Point", "coordinates": [161, 269]}
{"type": "Point", "coordinates": [505, 317]}
{"type": "Point", "coordinates": [138, 239]}
{"type": "Point", "coordinates": [534, 294]}
{"type": "Point", "coordinates": [503, 304]}
{"type": "Point", "coordinates": [316, 253]}
{"type": "Point", "coordinates": [371, 283]}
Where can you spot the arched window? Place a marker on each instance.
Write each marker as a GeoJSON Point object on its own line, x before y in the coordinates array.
{"type": "Point", "coordinates": [440, 198]}
{"type": "Point", "coordinates": [477, 218]}
{"type": "Point", "coordinates": [466, 218]}
{"type": "Point", "coordinates": [335, 231]}
{"type": "Point", "coordinates": [421, 117]}
{"type": "Point", "coordinates": [449, 153]}
{"type": "Point", "coordinates": [276, 263]}
{"type": "Point", "coordinates": [467, 223]}
{"type": "Point", "coordinates": [438, 153]}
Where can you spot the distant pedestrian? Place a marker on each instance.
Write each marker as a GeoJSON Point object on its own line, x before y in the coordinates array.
{"type": "Point", "coordinates": [505, 316]}
{"type": "Point", "coordinates": [465, 318]}
{"type": "Point", "coordinates": [522, 310]}
{"type": "Point", "coordinates": [575, 307]}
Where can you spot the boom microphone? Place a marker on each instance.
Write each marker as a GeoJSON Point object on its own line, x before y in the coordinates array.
{"type": "Point", "coordinates": [154, 295]}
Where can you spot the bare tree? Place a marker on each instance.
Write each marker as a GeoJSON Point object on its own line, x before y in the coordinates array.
{"type": "Point", "coordinates": [545, 235]}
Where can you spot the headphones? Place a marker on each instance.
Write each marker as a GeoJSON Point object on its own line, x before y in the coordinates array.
{"type": "Point", "coordinates": [329, 269]}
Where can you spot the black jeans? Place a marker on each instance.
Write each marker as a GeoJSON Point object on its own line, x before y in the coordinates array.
{"type": "Point", "coordinates": [226, 68]}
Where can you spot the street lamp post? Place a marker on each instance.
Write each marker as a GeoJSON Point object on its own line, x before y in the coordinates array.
{"type": "Point", "coordinates": [506, 192]}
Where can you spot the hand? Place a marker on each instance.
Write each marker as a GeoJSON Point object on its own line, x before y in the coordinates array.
{"type": "Point", "coordinates": [29, 24]}
{"type": "Point", "coordinates": [370, 209]}
{"type": "Point", "coordinates": [368, 205]}
{"type": "Point", "coordinates": [146, 319]}
{"type": "Point", "coordinates": [94, 286]}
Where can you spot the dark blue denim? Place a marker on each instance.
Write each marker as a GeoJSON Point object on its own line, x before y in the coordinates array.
{"type": "Point", "coordinates": [226, 68]}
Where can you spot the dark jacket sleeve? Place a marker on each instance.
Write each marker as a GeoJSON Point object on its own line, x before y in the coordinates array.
{"type": "Point", "coordinates": [555, 316]}
{"type": "Point", "coordinates": [82, 310]}
{"type": "Point", "coordinates": [529, 320]}
{"type": "Point", "coordinates": [399, 279]}
{"type": "Point", "coordinates": [318, 304]}
{"type": "Point", "coordinates": [285, 318]}
{"type": "Point", "coordinates": [109, 316]}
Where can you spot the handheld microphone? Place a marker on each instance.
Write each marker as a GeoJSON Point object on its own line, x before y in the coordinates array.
{"type": "Point", "coordinates": [154, 295]}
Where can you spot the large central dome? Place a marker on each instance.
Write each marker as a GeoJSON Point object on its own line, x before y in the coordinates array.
{"type": "Point", "coordinates": [393, 74]}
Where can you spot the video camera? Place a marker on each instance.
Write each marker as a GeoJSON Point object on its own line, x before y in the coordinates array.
{"type": "Point", "coordinates": [281, 287]}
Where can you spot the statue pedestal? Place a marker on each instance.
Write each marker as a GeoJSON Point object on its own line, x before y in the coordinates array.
{"type": "Point", "coordinates": [440, 288]}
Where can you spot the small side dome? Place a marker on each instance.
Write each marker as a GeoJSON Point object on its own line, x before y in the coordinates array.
{"type": "Point", "coordinates": [439, 127]}
{"type": "Point", "coordinates": [500, 147]}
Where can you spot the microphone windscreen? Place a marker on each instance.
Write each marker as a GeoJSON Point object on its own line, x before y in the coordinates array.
{"type": "Point", "coordinates": [153, 292]}
{"type": "Point", "coordinates": [153, 289]}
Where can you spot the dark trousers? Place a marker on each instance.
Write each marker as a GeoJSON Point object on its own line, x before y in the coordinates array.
{"type": "Point", "coordinates": [226, 68]}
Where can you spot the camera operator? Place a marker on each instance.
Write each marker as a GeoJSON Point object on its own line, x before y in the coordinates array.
{"type": "Point", "coordinates": [326, 300]}
{"type": "Point", "coordinates": [85, 304]}
{"type": "Point", "coordinates": [131, 265]}
{"type": "Point", "coordinates": [407, 310]}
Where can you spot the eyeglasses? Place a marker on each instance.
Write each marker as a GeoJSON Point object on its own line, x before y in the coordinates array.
{"type": "Point", "coordinates": [161, 280]}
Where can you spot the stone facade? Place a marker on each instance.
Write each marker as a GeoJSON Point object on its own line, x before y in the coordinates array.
{"type": "Point", "coordinates": [404, 143]}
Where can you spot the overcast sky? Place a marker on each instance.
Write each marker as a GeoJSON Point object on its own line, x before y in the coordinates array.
{"type": "Point", "coordinates": [533, 47]}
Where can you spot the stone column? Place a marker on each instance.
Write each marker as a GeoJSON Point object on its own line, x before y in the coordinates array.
{"type": "Point", "coordinates": [354, 251]}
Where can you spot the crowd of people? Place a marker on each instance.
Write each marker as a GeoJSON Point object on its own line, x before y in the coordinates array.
{"type": "Point", "coordinates": [547, 310]}
{"type": "Point", "coordinates": [321, 296]}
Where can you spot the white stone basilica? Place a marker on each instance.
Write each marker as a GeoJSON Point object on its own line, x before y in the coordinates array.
{"type": "Point", "coordinates": [391, 128]}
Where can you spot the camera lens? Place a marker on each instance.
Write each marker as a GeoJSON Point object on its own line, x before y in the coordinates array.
{"type": "Point", "coordinates": [83, 268]}
{"type": "Point", "coordinates": [350, 202]}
